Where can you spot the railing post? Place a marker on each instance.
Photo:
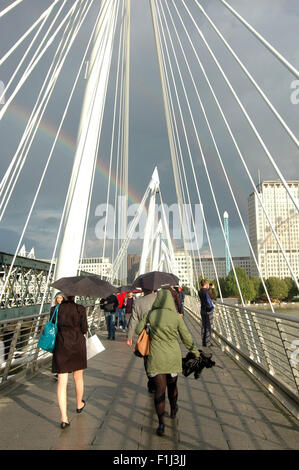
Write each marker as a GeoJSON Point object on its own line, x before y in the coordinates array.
{"type": "Point", "coordinates": [262, 343]}
{"type": "Point", "coordinates": [281, 331]}
{"type": "Point", "coordinates": [11, 351]}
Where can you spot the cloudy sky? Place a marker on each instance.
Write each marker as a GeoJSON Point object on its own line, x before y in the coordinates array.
{"type": "Point", "coordinates": [276, 20]}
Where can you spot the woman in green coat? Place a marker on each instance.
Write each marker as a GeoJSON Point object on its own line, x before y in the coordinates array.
{"type": "Point", "coordinates": [165, 359]}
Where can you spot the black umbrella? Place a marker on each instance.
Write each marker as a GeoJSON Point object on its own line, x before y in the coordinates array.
{"type": "Point", "coordinates": [85, 286]}
{"type": "Point", "coordinates": [155, 279]}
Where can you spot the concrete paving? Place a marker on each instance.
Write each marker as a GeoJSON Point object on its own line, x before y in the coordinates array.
{"type": "Point", "coordinates": [224, 409]}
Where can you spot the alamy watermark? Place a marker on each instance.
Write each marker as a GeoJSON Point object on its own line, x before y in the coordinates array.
{"type": "Point", "coordinates": [184, 224]}
{"type": "Point", "coordinates": [295, 94]}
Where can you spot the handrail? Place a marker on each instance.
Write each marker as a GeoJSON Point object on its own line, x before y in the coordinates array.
{"type": "Point", "coordinates": [263, 342]}
{"type": "Point", "coordinates": [19, 354]}
{"type": "Point", "coordinates": [268, 314]}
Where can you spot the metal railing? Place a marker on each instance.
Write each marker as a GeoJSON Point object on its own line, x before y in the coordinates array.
{"type": "Point", "coordinates": [19, 354]}
{"type": "Point", "coordinates": [267, 341]}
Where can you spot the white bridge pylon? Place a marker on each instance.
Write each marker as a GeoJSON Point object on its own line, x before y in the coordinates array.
{"type": "Point", "coordinates": [157, 251]}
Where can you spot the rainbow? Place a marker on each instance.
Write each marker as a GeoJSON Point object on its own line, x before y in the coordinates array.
{"type": "Point", "coordinates": [21, 114]}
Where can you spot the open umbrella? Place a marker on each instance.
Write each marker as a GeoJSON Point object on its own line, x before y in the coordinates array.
{"type": "Point", "coordinates": [154, 280]}
{"type": "Point", "coordinates": [85, 286]}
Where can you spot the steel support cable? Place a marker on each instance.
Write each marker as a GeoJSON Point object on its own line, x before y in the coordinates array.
{"type": "Point", "coordinates": [273, 51]}
{"type": "Point", "coordinates": [254, 129]}
{"type": "Point", "coordinates": [44, 102]}
{"type": "Point", "coordinates": [44, 173]}
{"type": "Point", "coordinates": [10, 7]}
{"type": "Point", "coordinates": [238, 150]}
{"type": "Point", "coordinates": [112, 24]}
{"type": "Point", "coordinates": [31, 67]}
{"type": "Point", "coordinates": [30, 124]}
{"type": "Point", "coordinates": [178, 148]}
{"type": "Point", "coordinates": [71, 187]}
{"type": "Point", "coordinates": [167, 115]}
{"type": "Point", "coordinates": [200, 147]}
{"type": "Point", "coordinates": [42, 18]}
{"type": "Point", "coordinates": [119, 155]}
{"type": "Point", "coordinates": [113, 133]}
{"type": "Point", "coordinates": [198, 141]}
{"type": "Point", "coordinates": [250, 77]}
{"type": "Point", "coordinates": [220, 158]}
{"type": "Point", "coordinates": [49, 10]}
{"type": "Point", "coordinates": [204, 218]}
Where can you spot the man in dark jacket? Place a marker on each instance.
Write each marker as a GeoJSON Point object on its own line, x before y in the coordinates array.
{"type": "Point", "coordinates": [205, 294]}
{"type": "Point", "coordinates": [109, 305]}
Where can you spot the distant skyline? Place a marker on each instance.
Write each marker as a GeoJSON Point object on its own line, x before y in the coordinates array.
{"type": "Point", "coordinates": [277, 20]}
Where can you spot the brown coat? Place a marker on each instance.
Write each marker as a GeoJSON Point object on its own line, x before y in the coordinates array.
{"type": "Point", "coordinates": [70, 346]}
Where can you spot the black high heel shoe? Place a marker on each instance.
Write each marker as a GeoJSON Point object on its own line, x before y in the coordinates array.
{"type": "Point", "coordinates": [161, 429]}
{"type": "Point", "coordinates": [81, 409]}
{"type": "Point", "coordinates": [64, 425]}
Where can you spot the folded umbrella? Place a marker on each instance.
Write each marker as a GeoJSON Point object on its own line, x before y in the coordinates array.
{"type": "Point", "coordinates": [86, 286]}
{"type": "Point", "coordinates": [155, 279]}
{"type": "Point", "coordinates": [191, 364]}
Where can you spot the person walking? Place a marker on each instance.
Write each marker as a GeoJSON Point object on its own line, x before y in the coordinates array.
{"type": "Point", "coordinates": [206, 293]}
{"type": "Point", "coordinates": [181, 294]}
{"type": "Point", "coordinates": [110, 305]}
{"type": "Point", "coordinates": [69, 354]}
{"type": "Point", "coordinates": [59, 297]}
{"type": "Point", "coordinates": [140, 307]}
{"type": "Point", "coordinates": [165, 359]}
{"type": "Point", "coordinates": [128, 303]}
{"type": "Point", "coordinates": [121, 310]}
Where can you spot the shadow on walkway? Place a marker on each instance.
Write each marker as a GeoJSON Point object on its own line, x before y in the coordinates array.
{"type": "Point", "coordinates": [224, 409]}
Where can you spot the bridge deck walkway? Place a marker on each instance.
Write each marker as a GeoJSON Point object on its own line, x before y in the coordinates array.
{"type": "Point", "coordinates": [224, 409]}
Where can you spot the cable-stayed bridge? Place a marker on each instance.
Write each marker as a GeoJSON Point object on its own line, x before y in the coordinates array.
{"type": "Point", "coordinates": [265, 344]}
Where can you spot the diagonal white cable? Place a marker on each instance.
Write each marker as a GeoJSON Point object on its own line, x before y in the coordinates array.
{"type": "Point", "coordinates": [42, 179]}
{"type": "Point", "coordinates": [254, 129]}
{"type": "Point", "coordinates": [199, 199]}
{"type": "Point", "coordinates": [113, 130]}
{"type": "Point", "coordinates": [178, 152]}
{"type": "Point", "coordinates": [44, 103]}
{"type": "Point", "coordinates": [27, 50]}
{"type": "Point", "coordinates": [70, 187]}
{"type": "Point", "coordinates": [112, 24]}
{"type": "Point", "coordinates": [28, 126]}
{"type": "Point", "coordinates": [9, 8]}
{"type": "Point", "coordinates": [199, 144]}
{"type": "Point", "coordinates": [266, 43]}
{"type": "Point", "coordinates": [33, 65]}
{"type": "Point", "coordinates": [43, 17]}
{"type": "Point", "coordinates": [252, 80]}
{"type": "Point", "coordinates": [220, 160]}
{"type": "Point", "coordinates": [238, 149]}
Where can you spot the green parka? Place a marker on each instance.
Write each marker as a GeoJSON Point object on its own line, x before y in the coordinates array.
{"type": "Point", "coordinates": [165, 324]}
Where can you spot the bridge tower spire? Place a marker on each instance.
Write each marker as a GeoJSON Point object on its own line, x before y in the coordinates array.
{"type": "Point", "coordinates": [87, 142]}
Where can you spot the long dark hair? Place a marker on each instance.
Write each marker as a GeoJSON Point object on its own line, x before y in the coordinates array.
{"type": "Point", "coordinates": [175, 297]}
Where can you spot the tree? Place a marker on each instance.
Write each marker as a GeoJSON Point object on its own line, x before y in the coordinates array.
{"type": "Point", "coordinates": [258, 286]}
{"type": "Point", "coordinates": [277, 288]}
{"type": "Point", "coordinates": [292, 288]}
{"type": "Point", "coordinates": [246, 285]}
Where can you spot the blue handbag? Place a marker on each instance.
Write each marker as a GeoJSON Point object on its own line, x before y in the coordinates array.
{"type": "Point", "coordinates": [48, 336]}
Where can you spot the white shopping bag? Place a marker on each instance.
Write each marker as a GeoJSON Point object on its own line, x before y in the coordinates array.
{"type": "Point", "coordinates": [93, 346]}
